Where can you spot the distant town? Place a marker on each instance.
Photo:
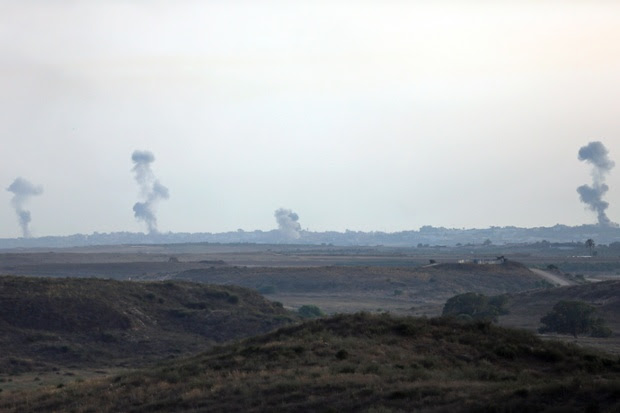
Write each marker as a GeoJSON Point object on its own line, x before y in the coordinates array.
{"type": "Point", "coordinates": [426, 236]}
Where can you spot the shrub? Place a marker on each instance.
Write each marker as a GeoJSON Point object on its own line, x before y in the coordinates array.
{"type": "Point", "coordinates": [600, 329]}
{"type": "Point", "coordinates": [574, 317]}
{"type": "Point", "coordinates": [543, 284]}
{"type": "Point", "coordinates": [267, 289]}
{"type": "Point", "coordinates": [233, 299]}
{"type": "Point", "coordinates": [475, 306]}
{"type": "Point", "coordinates": [310, 311]}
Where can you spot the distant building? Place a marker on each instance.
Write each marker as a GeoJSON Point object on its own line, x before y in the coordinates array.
{"type": "Point", "coordinates": [485, 261]}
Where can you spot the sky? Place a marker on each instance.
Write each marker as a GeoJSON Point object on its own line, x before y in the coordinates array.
{"type": "Point", "coordinates": [363, 115]}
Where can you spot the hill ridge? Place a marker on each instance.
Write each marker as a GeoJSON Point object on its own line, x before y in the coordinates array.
{"type": "Point", "coordinates": [89, 321]}
{"type": "Point", "coordinates": [359, 362]}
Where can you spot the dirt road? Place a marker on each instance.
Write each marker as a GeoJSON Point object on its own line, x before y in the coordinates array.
{"type": "Point", "coordinates": [552, 278]}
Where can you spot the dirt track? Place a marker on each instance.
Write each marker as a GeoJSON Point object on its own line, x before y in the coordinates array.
{"type": "Point", "coordinates": [553, 278]}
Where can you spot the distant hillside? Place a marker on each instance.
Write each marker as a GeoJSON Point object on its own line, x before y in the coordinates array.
{"type": "Point", "coordinates": [386, 287]}
{"type": "Point", "coordinates": [358, 363]}
{"type": "Point", "coordinates": [453, 277]}
{"type": "Point", "coordinates": [102, 265]}
{"type": "Point", "coordinates": [527, 307]}
{"type": "Point", "coordinates": [79, 322]}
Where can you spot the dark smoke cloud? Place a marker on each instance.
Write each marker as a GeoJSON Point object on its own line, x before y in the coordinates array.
{"type": "Point", "coordinates": [287, 223]}
{"type": "Point", "coordinates": [22, 191]}
{"type": "Point", "coordinates": [150, 189]}
{"type": "Point", "coordinates": [595, 154]}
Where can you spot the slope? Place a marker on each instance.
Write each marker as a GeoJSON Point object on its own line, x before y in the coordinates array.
{"type": "Point", "coordinates": [358, 362]}
{"type": "Point", "coordinates": [527, 307]}
{"type": "Point", "coordinates": [47, 323]}
{"type": "Point", "coordinates": [339, 289]}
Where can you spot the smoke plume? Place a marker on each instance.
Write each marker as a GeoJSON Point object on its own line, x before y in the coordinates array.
{"type": "Point", "coordinates": [150, 189]}
{"type": "Point", "coordinates": [595, 154]}
{"type": "Point", "coordinates": [22, 191]}
{"type": "Point", "coordinates": [287, 223]}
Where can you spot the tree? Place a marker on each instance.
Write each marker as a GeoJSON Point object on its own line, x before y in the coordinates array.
{"type": "Point", "coordinates": [574, 317]}
{"type": "Point", "coordinates": [590, 244]}
{"type": "Point", "coordinates": [475, 306]}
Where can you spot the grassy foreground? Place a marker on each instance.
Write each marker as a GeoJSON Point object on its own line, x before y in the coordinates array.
{"type": "Point", "coordinates": [359, 362]}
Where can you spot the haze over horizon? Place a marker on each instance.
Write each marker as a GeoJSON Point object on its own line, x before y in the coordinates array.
{"type": "Point", "coordinates": [372, 115]}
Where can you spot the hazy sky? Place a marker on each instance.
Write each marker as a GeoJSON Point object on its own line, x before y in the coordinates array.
{"type": "Point", "coordinates": [361, 115]}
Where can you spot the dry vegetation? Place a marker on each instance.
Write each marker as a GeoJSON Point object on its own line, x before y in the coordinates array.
{"type": "Point", "coordinates": [360, 362]}
{"type": "Point", "coordinates": [421, 290]}
{"type": "Point", "coordinates": [47, 323]}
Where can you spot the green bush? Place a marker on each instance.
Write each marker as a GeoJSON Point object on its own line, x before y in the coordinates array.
{"type": "Point", "coordinates": [475, 306]}
{"type": "Point", "coordinates": [574, 317]}
{"type": "Point", "coordinates": [310, 311]}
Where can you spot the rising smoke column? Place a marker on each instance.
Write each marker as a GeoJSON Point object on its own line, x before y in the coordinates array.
{"type": "Point", "coordinates": [150, 189]}
{"type": "Point", "coordinates": [595, 153]}
{"type": "Point", "coordinates": [22, 191]}
{"type": "Point", "coordinates": [287, 223]}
